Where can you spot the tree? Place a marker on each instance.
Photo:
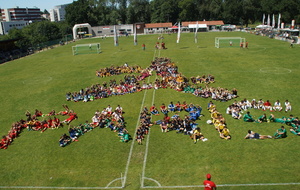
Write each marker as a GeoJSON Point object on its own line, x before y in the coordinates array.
{"type": "Point", "coordinates": [189, 11]}
{"type": "Point", "coordinates": [164, 11]}
{"type": "Point", "coordinates": [138, 11]}
{"type": "Point", "coordinates": [80, 12]}
{"type": "Point", "coordinates": [46, 12]}
{"type": "Point", "coordinates": [233, 11]}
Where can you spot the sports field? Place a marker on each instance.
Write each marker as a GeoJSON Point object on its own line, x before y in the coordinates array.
{"type": "Point", "coordinates": [268, 69]}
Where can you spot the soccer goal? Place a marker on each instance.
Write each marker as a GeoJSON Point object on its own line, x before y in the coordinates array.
{"type": "Point", "coordinates": [221, 42]}
{"type": "Point", "coordinates": [86, 49]}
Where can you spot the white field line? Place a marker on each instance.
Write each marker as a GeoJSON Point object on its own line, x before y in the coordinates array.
{"type": "Point", "coordinates": [43, 187]}
{"type": "Point", "coordinates": [150, 187]}
{"type": "Point", "coordinates": [147, 145]}
{"type": "Point", "coordinates": [133, 139]}
{"type": "Point", "coordinates": [222, 185]}
{"type": "Point", "coordinates": [148, 136]}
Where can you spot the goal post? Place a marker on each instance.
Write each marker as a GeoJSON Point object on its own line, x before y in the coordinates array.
{"type": "Point", "coordinates": [86, 49]}
{"type": "Point", "coordinates": [222, 42]}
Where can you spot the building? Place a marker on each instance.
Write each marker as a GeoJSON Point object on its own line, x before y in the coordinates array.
{"type": "Point", "coordinates": [58, 13]}
{"type": "Point", "coordinates": [21, 14]}
{"type": "Point", "coordinates": [123, 29]}
{"type": "Point", "coordinates": [157, 27]}
{"type": "Point", "coordinates": [210, 25]}
{"type": "Point", "coordinates": [46, 16]}
{"type": "Point", "coordinates": [5, 27]}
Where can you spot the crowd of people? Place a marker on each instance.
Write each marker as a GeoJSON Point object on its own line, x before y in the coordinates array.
{"type": "Point", "coordinates": [117, 70]}
{"type": "Point", "coordinates": [186, 125]}
{"type": "Point", "coordinates": [112, 119]}
{"type": "Point", "coordinates": [37, 122]}
{"type": "Point", "coordinates": [237, 109]}
{"type": "Point", "coordinates": [169, 78]}
{"type": "Point", "coordinates": [219, 122]}
{"type": "Point", "coordinates": [203, 79]}
{"type": "Point", "coordinates": [291, 121]}
{"type": "Point", "coordinates": [107, 118]}
{"type": "Point", "coordinates": [280, 133]}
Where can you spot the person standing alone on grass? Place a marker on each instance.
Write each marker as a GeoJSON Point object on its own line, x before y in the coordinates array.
{"type": "Point", "coordinates": [208, 184]}
{"type": "Point", "coordinates": [143, 47]}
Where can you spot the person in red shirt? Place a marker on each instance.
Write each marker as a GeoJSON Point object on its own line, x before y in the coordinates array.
{"type": "Point", "coordinates": [208, 184]}
{"type": "Point", "coordinates": [268, 106]}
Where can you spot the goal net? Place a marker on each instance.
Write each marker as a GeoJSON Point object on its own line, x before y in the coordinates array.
{"type": "Point", "coordinates": [86, 49]}
{"type": "Point", "coordinates": [222, 42]}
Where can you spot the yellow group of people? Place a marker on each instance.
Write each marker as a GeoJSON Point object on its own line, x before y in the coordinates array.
{"type": "Point", "coordinates": [218, 121]}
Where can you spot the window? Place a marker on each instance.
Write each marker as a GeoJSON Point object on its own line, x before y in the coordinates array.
{"type": "Point", "coordinates": [99, 32]}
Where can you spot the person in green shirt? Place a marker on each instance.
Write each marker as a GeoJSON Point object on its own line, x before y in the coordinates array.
{"type": "Point", "coordinates": [262, 118]}
{"type": "Point", "coordinates": [248, 118]}
{"type": "Point", "coordinates": [280, 133]}
{"type": "Point", "coordinates": [276, 120]}
{"type": "Point", "coordinates": [295, 130]}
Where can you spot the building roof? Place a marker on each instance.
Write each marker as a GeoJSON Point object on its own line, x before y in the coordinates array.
{"type": "Point", "coordinates": [158, 25]}
{"type": "Point", "coordinates": [208, 23]}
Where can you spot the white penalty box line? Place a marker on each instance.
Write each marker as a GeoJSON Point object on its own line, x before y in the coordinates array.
{"type": "Point", "coordinates": [45, 187]}
{"type": "Point", "coordinates": [149, 187]}
{"type": "Point", "coordinates": [221, 185]}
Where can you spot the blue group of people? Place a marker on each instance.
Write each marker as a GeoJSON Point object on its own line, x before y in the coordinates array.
{"type": "Point", "coordinates": [193, 110]}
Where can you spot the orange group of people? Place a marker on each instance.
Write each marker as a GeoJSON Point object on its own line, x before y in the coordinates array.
{"type": "Point", "coordinates": [116, 70]}
{"type": "Point", "coordinates": [203, 79]}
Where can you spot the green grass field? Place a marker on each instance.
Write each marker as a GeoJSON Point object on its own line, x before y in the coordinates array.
{"type": "Point", "coordinates": [269, 69]}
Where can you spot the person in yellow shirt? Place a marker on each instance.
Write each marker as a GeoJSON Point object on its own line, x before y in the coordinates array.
{"type": "Point", "coordinates": [225, 134]}
{"type": "Point", "coordinates": [197, 135]}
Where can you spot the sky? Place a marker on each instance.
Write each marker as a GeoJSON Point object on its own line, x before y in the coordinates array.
{"type": "Point", "coordinates": [41, 4]}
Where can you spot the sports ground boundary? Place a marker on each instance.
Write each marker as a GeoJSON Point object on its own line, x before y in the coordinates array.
{"type": "Point", "coordinates": [123, 179]}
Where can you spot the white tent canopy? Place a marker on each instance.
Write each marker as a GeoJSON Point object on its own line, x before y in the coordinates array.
{"type": "Point", "coordinates": [84, 25]}
{"type": "Point", "coordinates": [263, 26]}
{"type": "Point", "coordinates": [199, 26]}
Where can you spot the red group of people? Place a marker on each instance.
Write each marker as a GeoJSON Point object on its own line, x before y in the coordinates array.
{"type": "Point", "coordinates": [32, 123]}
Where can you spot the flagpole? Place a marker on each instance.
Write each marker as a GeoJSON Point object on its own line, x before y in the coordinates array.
{"type": "Point", "coordinates": [178, 34]}
{"type": "Point", "coordinates": [196, 34]}
{"type": "Point", "coordinates": [279, 17]}
{"type": "Point", "coordinates": [116, 36]}
{"type": "Point", "coordinates": [135, 36]}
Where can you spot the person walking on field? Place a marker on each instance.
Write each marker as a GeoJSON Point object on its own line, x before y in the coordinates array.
{"type": "Point", "coordinates": [208, 184]}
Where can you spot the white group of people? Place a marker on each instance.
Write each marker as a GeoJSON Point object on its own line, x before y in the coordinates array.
{"type": "Point", "coordinates": [237, 108]}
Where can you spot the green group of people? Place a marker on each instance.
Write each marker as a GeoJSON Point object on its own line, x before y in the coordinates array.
{"type": "Point", "coordinates": [280, 133]}
{"type": "Point", "coordinates": [291, 121]}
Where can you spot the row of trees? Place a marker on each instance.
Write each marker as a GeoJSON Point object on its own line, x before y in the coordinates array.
{"type": "Point", "coordinates": [110, 12]}
{"type": "Point", "coordinates": [37, 33]}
